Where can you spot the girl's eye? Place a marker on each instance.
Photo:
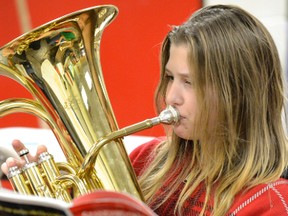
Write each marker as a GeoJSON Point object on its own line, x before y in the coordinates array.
{"type": "Point", "coordinates": [169, 77]}
{"type": "Point", "coordinates": [188, 82]}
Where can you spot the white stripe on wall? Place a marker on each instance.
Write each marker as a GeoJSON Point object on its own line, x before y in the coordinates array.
{"type": "Point", "coordinates": [23, 15]}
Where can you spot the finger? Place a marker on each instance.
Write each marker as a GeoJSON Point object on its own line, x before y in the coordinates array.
{"type": "Point", "coordinates": [19, 146]}
{"type": "Point", "coordinates": [4, 168]}
{"type": "Point", "coordinates": [14, 162]}
{"type": "Point", "coordinates": [11, 162]}
{"type": "Point", "coordinates": [40, 150]}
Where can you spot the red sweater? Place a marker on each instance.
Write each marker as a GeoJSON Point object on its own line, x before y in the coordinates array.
{"type": "Point", "coordinates": [264, 199]}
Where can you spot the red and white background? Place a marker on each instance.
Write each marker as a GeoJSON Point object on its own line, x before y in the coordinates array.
{"type": "Point", "coordinates": [129, 52]}
{"type": "Point", "coordinates": [129, 58]}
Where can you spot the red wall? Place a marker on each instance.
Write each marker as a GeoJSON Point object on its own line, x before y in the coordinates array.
{"type": "Point", "coordinates": [129, 52]}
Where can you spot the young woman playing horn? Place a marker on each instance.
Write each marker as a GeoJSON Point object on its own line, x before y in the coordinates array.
{"type": "Point", "coordinates": [225, 156]}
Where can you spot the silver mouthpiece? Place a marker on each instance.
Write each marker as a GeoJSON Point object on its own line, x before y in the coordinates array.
{"type": "Point", "coordinates": [168, 116]}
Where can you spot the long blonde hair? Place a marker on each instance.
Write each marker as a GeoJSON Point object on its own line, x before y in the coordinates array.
{"type": "Point", "coordinates": [232, 55]}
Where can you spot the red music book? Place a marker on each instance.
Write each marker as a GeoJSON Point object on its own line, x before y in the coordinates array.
{"type": "Point", "coordinates": [104, 203]}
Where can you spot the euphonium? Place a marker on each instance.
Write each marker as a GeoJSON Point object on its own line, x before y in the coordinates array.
{"type": "Point", "coordinates": [59, 64]}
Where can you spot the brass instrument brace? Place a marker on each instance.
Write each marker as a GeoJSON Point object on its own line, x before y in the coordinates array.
{"type": "Point", "coordinates": [168, 116]}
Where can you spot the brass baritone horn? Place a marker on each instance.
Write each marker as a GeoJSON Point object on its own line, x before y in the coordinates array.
{"type": "Point", "coordinates": [59, 64]}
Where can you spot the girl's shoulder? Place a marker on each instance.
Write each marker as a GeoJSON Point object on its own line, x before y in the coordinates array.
{"type": "Point", "coordinates": [264, 199]}
{"type": "Point", "coordinates": [145, 149]}
{"type": "Point", "coordinates": [140, 156]}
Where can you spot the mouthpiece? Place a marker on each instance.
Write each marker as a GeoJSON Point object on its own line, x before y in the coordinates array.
{"type": "Point", "coordinates": [168, 116]}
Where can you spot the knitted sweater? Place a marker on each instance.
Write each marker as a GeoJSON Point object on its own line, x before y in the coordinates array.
{"type": "Point", "coordinates": [264, 199]}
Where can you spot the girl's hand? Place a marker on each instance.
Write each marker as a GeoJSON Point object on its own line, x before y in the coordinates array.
{"type": "Point", "coordinates": [19, 146]}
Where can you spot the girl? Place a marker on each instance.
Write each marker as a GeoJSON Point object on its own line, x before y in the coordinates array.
{"type": "Point", "coordinates": [221, 71]}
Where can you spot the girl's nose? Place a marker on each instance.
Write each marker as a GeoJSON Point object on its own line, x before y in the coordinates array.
{"type": "Point", "coordinates": [173, 95]}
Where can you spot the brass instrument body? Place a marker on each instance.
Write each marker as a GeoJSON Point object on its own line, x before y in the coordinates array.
{"type": "Point", "coordinates": [59, 64]}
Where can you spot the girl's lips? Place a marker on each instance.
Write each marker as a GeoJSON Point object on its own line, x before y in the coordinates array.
{"type": "Point", "coordinates": [180, 119]}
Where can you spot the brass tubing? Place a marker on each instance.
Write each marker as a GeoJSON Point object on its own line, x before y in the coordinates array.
{"type": "Point", "coordinates": [18, 181]}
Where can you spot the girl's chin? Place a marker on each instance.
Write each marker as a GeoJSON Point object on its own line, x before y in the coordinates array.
{"type": "Point", "coordinates": [181, 132]}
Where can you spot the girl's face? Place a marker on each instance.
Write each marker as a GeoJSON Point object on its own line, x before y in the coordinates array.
{"type": "Point", "coordinates": [181, 93]}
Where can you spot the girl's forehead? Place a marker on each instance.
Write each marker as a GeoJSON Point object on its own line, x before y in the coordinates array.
{"type": "Point", "coordinates": [178, 54]}
{"type": "Point", "coordinates": [180, 60]}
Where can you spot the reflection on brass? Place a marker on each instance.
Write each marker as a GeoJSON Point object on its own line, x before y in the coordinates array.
{"type": "Point", "coordinates": [59, 64]}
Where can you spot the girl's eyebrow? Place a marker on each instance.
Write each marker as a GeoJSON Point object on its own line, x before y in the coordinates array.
{"type": "Point", "coordinates": [186, 75]}
{"type": "Point", "coordinates": [167, 70]}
